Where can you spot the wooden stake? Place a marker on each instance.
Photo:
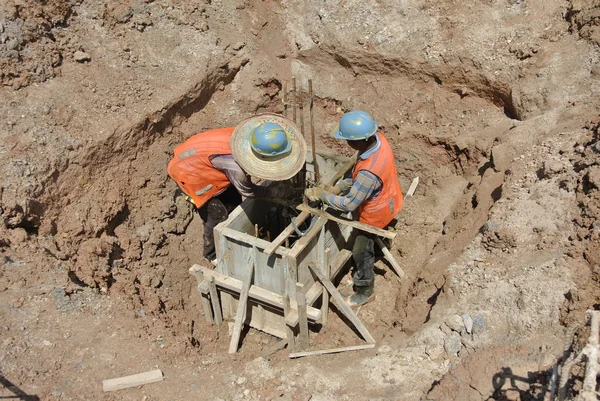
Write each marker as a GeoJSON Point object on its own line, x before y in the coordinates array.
{"type": "Point", "coordinates": [301, 107]}
{"type": "Point", "coordinates": [203, 291]}
{"type": "Point", "coordinates": [214, 299]}
{"type": "Point", "coordinates": [588, 390]}
{"type": "Point", "coordinates": [390, 258]}
{"type": "Point", "coordinates": [241, 310]}
{"type": "Point", "coordinates": [325, 300]}
{"type": "Point", "coordinates": [346, 310]}
{"type": "Point", "coordinates": [289, 330]}
{"type": "Point", "coordinates": [331, 351]}
{"type": "Point", "coordinates": [302, 319]}
{"type": "Point", "coordinates": [132, 381]}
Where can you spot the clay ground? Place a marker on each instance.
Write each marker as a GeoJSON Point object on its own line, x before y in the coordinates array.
{"type": "Point", "coordinates": [493, 104]}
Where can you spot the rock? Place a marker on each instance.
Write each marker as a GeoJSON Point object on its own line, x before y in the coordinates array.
{"type": "Point", "coordinates": [239, 46]}
{"type": "Point", "coordinates": [593, 176]}
{"type": "Point", "coordinates": [552, 167]}
{"type": "Point", "coordinates": [241, 380]}
{"type": "Point", "coordinates": [595, 71]}
{"type": "Point", "coordinates": [502, 155]}
{"type": "Point", "coordinates": [455, 323]}
{"type": "Point", "coordinates": [479, 324]}
{"type": "Point", "coordinates": [81, 57]}
{"type": "Point", "coordinates": [468, 322]}
{"type": "Point", "coordinates": [452, 344]}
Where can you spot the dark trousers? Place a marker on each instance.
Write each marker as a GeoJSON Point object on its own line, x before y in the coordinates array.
{"type": "Point", "coordinates": [213, 212]}
{"type": "Point", "coordinates": [363, 253]}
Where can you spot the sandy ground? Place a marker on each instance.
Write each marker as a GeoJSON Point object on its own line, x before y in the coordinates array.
{"type": "Point", "coordinates": [492, 104]}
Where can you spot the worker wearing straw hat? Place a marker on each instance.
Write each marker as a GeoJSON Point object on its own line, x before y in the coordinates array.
{"type": "Point", "coordinates": [213, 168]}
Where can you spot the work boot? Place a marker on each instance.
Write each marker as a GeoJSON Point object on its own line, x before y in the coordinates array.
{"type": "Point", "coordinates": [362, 295]}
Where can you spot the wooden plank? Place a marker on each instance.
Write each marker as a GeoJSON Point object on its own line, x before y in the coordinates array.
{"type": "Point", "coordinates": [289, 329]}
{"type": "Point", "coordinates": [412, 188]}
{"type": "Point", "coordinates": [304, 241]}
{"type": "Point", "coordinates": [342, 171]}
{"type": "Point", "coordinates": [331, 351]}
{"type": "Point", "coordinates": [196, 271]}
{"type": "Point", "coordinates": [334, 268]}
{"type": "Point", "coordinates": [325, 300]}
{"type": "Point", "coordinates": [214, 300]}
{"type": "Point", "coordinates": [270, 249]}
{"type": "Point", "coordinates": [390, 258]}
{"type": "Point", "coordinates": [348, 312]}
{"type": "Point", "coordinates": [302, 319]}
{"type": "Point", "coordinates": [256, 293]}
{"type": "Point", "coordinates": [241, 310]}
{"type": "Point", "coordinates": [140, 379]}
{"type": "Point", "coordinates": [355, 224]}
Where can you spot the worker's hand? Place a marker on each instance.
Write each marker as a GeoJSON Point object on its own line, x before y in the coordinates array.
{"type": "Point", "coordinates": [281, 191]}
{"type": "Point", "coordinates": [313, 194]}
{"type": "Point", "coordinates": [332, 189]}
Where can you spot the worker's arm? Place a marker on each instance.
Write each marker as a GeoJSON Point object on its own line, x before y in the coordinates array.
{"type": "Point", "coordinates": [365, 185]}
{"type": "Point", "coordinates": [238, 178]}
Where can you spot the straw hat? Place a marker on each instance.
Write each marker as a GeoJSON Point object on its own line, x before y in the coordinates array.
{"type": "Point", "coordinates": [274, 168]}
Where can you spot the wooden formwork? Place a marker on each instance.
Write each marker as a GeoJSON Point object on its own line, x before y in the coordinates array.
{"type": "Point", "coordinates": [274, 280]}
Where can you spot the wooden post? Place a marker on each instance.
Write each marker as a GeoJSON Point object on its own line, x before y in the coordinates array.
{"type": "Point", "coordinates": [131, 381]}
{"type": "Point", "coordinates": [214, 299]}
{"type": "Point", "coordinates": [242, 303]}
{"type": "Point", "coordinates": [294, 99]}
{"type": "Point", "coordinates": [346, 310]}
{"type": "Point", "coordinates": [302, 319]}
{"type": "Point", "coordinates": [203, 291]}
{"type": "Point", "coordinates": [390, 258]}
{"type": "Point", "coordinates": [289, 329]}
{"type": "Point", "coordinates": [325, 300]}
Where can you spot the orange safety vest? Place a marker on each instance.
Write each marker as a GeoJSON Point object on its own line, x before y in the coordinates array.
{"type": "Point", "coordinates": [191, 167]}
{"type": "Point", "coordinates": [381, 209]}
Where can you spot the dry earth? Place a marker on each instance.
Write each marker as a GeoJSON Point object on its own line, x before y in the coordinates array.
{"type": "Point", "coordinates": [494, 104]}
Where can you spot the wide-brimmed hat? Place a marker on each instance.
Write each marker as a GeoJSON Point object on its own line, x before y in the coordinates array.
{"type": "Point", "coordinates": [275, 168]}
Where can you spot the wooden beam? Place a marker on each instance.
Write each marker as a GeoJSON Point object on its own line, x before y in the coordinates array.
{"type": "Point", "coordinates": [242, 302]}
{"type": "Point", "coordinates": [270, 250]}
{"type": "Point", "coordinates": [390, 258]}
{"type": "Point", "coordinates": [331, 351]}
{"type": "Point", "coordinates": [257, 293]}
{"type": "Point", "coordinates": [302, 319]}
{"type": "Point", "coordinates": [303, 241]}
{"type": "Point", "coordinates": [203, 291]}
{"type": "Point", "coordinates": [346, 310]}
{"type": "Point", "coordinates": [325, 300]}
{"type": "Point", "coordinates": [356, 224]}
{"type": "Point", "coordinates": [214, 300]}
{"type": "Point", "coordinates": [334, 268]}
{"type": "Point", "coordinates": [119, 383]}
{"type": "Point", "coordinates": [289, 329]}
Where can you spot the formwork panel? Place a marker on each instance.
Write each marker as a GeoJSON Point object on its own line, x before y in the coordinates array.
{"type": "Point", "coordinates": [236, 238]}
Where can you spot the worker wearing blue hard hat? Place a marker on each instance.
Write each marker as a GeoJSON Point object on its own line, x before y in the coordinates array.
{"type": "Point", "coordinates": [372, 193]}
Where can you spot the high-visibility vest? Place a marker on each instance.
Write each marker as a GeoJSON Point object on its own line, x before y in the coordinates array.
{"type": "Point", "coordinates": [191, 167]}
{"type": "Point", "coordinates": [381, 209]}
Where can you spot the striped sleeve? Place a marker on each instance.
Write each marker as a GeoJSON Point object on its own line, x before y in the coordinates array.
{"type": "Point", "coordinates": [238, 178]}
{"type": "Point", "coordinates": [363, 187]}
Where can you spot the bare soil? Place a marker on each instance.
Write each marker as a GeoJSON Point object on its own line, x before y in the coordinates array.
{"type": "Point", "coordinates": [493, 104]}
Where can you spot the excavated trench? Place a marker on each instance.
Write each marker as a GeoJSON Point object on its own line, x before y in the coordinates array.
{"type": "Point", "coordinates": [127, 233]}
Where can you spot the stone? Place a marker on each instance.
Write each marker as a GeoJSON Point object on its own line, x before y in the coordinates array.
{"type": "Point", "coordinates": [479, 324]}
{"type": "Point", "coordinates": [81, 57]}
{"type": "Point", "coordinates": [452, 344]}
{"type": "Point", "coordinates": [593, 176]}
{"type": "Point", "coordinates": [468, 322]}
{"type": "Point", "coordinates": [455, 323]}
{"type": "Point", "coordinates": [241, 380]}
{"type": "Point", "coordinates": [239, 46]}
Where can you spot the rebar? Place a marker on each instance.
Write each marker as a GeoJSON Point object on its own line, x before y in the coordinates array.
{"type": "Point", "coordinates": [312, 132]}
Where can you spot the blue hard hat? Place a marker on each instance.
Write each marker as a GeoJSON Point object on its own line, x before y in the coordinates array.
{"type": "Point", "coordinates": [270, 139]}
{"type": "Point", "coordinates": [355, 125]}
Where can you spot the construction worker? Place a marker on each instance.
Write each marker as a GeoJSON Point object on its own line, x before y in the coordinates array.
{"type": "Point", "coordinates": [213, 168]}
{"type": "Point", "coordinates": [372, 193]}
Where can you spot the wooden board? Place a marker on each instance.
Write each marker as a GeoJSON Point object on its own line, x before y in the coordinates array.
{"type": "Point", "coordinates": [346, 310]}
{"type": "Point", "coordinates": [119, 383]}
{"type": "Point", "coordinates": [331, 351]}
{"type": "Point", "coordinates": [257, 293]}
{"type": "Point", "coordinates": [355, 224]}
{"type": "Point", "coordinates": [270, 250]}
{"type": "Point", "coordinates": [241, 310]}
